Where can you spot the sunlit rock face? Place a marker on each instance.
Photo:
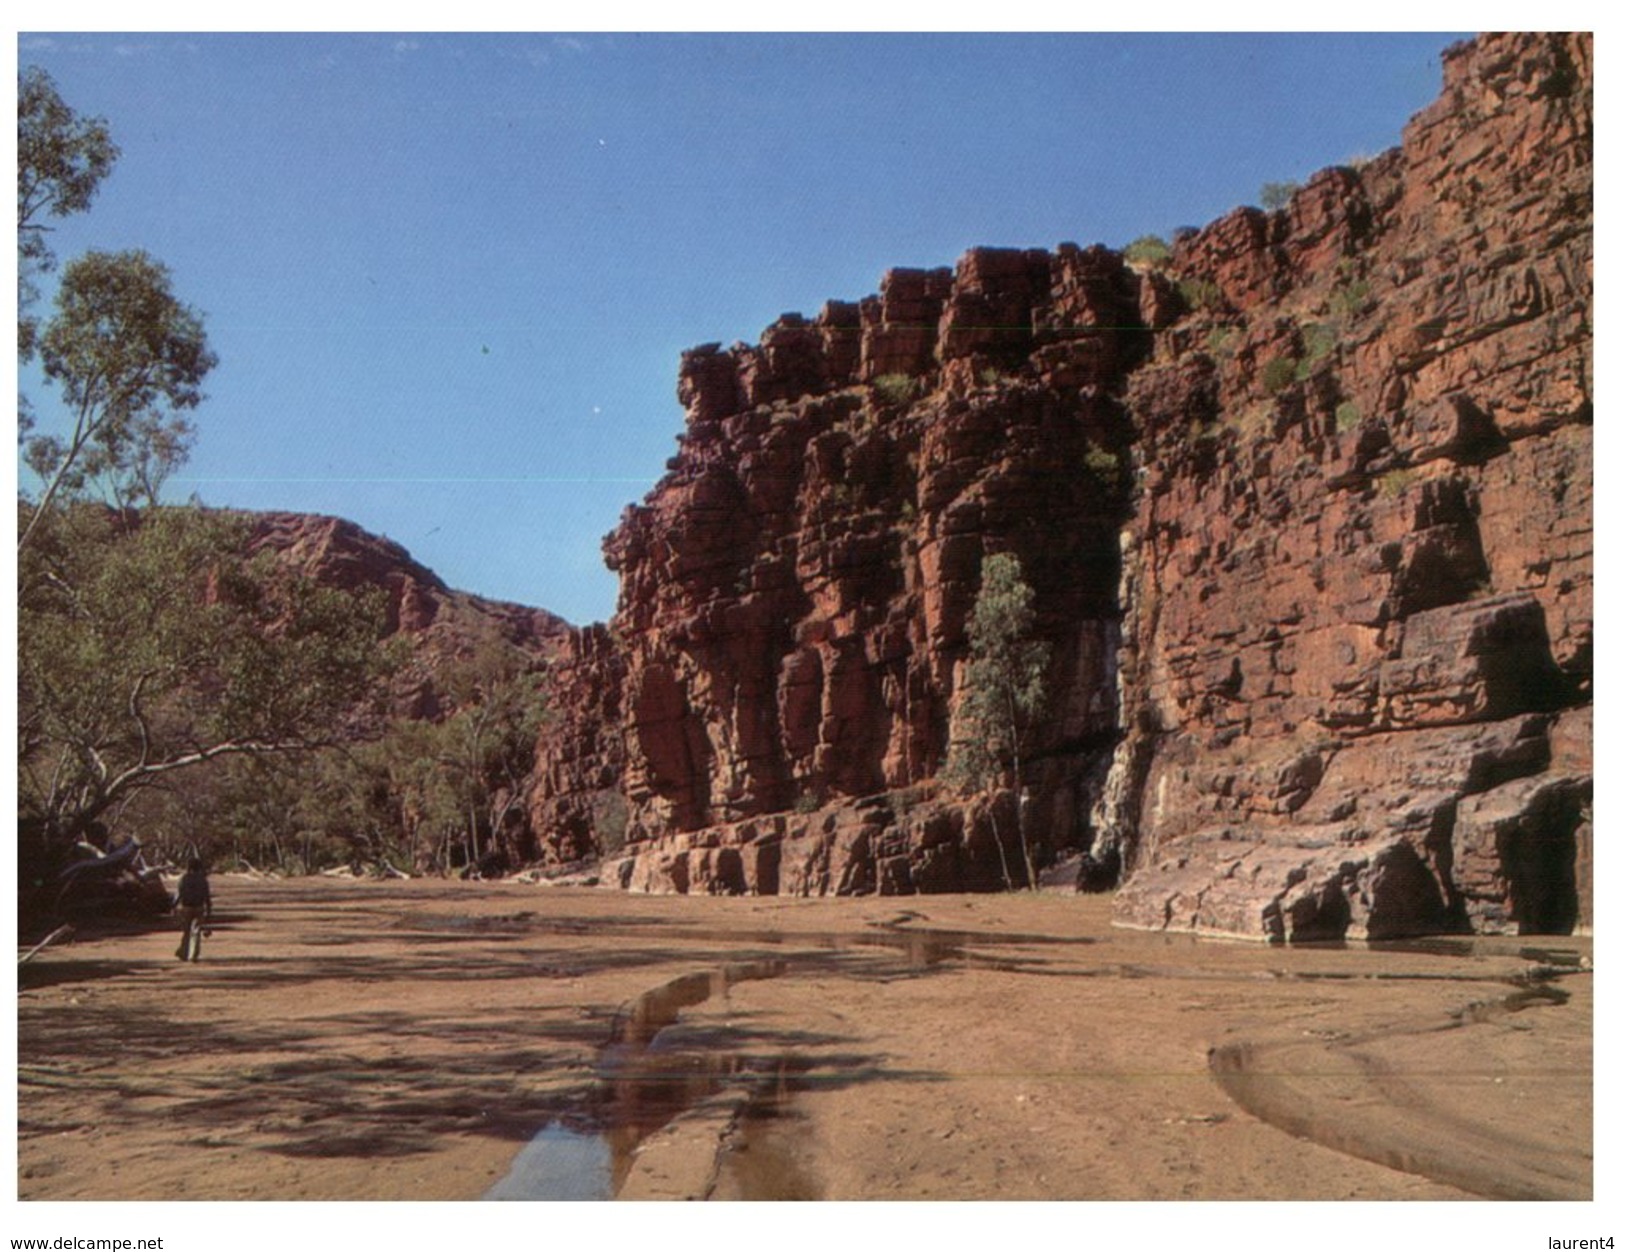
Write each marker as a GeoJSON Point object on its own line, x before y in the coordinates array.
{"type": "Point", "coordinates": [774, 699]}
{"type": "Point", "coordinates": [1307, 511]}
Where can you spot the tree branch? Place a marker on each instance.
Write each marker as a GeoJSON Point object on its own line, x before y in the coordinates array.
{"type": "Point", "coordinates": [140, 719]}
{"type": "Point", "coordinates": [83, 427]}
{"type": "Point", "coordinates": [141, 775]}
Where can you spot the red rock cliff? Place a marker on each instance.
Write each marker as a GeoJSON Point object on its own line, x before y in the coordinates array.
{"type": "Point", "coordinates": [1307, 511]}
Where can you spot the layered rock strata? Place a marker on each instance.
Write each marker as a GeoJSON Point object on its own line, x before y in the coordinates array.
{"type": "Point", "coordinates": [774, 697]}
{"type": "Point", "coordinates": [1307, 511]}
{"type": "Point", "coordinates": [1357, 674]}
{"type": "Point", "coordinates": [439, 623]}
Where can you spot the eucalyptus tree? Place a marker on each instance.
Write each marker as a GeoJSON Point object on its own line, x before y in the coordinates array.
{"type": "Point", "coordinates": [1002, 696]}
{"type": "Point", "coordinates": [148, 644]}
{"type": "Point", "coordinates": [62, 159]}
{"type": "Point", "coordinates": [127, 356]}
{"type": "Point", "coordinates": [129, 359]}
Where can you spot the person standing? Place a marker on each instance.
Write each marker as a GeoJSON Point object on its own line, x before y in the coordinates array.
{"type": "Point", "coordinates": [192, 906]}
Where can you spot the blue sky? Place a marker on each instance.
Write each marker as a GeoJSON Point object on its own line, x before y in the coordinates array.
{"type": "Point", "coordinates": [449, 276]}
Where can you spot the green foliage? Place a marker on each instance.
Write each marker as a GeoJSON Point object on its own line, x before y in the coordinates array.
{"type": "Point", "coordinates": [609, 822]}
{"type": "Point", "coordinates": [487, 744]}
{"type": "Point", "coordinates": [1349, 299]}
{"type": "Point", "coordinates": [129, 358]}
{"type": "Point", "coordinates": [280, 813]}
{"type": "Point", "coordinates": [1396, 482]}
{"type": "Point", "coordinates": [61, 161]}
{"type": "Point", "coordinates": [806, 802]}
{"type": "Point", "coordinates": [1221, 342]}
{"type": "Point", "coordinates": [895, 388]}
{"type": "Point", "coordinates": [1104, 465]}
{"type": "Point", "coordinates": [1200, 293]}
{"type": "Point", "coordinates": [430, 796]}
{"type": "Point", "coordinates": [126, 355]}
{"type": "Point", "coordinates": [1275, 196]}
{"type": "Point", "coordinates": [1279, 374]}
{"type": "Point", "coordinates": [845, 495]}
{"type": "Point", "coordinates": [1004, 691]}
{"type": "Point", "coordinates": [1348, 416]}
{"type": "Point", "coordinates": [148, 646]}
{"type": "Point", "coordinates": [1319, 340]}
{"type": "Point", "coordinates": [1148, 252]}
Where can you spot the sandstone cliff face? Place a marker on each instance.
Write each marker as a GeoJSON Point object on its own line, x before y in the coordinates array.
{"type": "Point", "coordinates": [1308, 514]}
{"type": "Point", "coordinates": [1356, 682]}
{"type": "Point", "coordinates": [795, 591]}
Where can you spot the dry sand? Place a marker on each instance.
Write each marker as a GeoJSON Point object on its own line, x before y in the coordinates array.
{"type": "Point", "coordinates": [406, 1040]}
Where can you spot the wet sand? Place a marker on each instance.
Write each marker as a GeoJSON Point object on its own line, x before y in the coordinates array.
{"type": "Point", "coordinates": [408, 1040]}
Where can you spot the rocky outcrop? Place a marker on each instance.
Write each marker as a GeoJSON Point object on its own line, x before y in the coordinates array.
{"type": "Point", "coordinates": [1307, 511]}
{"type": "Point", "coordinates": [795, 590]}
{"type": "Point", "coordinates": [1361, 603]}
{"type": "Point", "coordinates": [440, 624]}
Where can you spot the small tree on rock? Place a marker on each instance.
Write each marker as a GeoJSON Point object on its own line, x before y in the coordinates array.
{"type": "Point", "coordinates": [1003, 696]}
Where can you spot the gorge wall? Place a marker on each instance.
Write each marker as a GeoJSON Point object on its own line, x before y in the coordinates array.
{"type": "Point", "coordinates": [1307, 508]}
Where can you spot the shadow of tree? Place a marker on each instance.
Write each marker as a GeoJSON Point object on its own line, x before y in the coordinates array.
{"type": "Point", "coordinates": [405, 1079]}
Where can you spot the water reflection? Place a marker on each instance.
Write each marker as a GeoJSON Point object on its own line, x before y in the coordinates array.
{"type": "Point", "coordinates": [559, 1164]}
{"type": "Point", "coordinates": [649, 1074]}
{"type": "Point", "coordinates": [644, 1083]}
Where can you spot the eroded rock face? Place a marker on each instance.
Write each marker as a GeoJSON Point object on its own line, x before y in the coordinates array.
{"type": "Point", "coordinates": [1360, 614]}
{"type": "Point", "coordinates": [340, 554]}
{"type": "Point", "coordinates": [795, 591]}
{"type": "Point", "coordinates": [1308, 514]}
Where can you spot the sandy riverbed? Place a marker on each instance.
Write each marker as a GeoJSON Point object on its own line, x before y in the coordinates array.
{"type": "Point", "coordinates": [406, 1040]}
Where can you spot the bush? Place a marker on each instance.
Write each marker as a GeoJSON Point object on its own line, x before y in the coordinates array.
{"type": "Point", "coordinates": [1318, 341]}
{"type": "Point", "coordinates": [609, 822]}
{"type": "Point", "coordinates": [1104, 465]}
{"type": "Point", "coordinates": [1396, 482]}
{"type": "Point", "coordinates": [1350, 299]}
{"type": "Point", "coordinates": [1348, 416]}
{"type": "Point", "coordinates": [1221, 342]}
{"type": "Point", "coordinates": [895, 388]}
{"type": "Point", "coordinates": [1200, 293]}
{"type": "Point", "coordinates": [1279, 374]}
{"type": "Point", "coordinates": [1275, 196]}
{"type": "Point", "coordinates": [1148, 251]}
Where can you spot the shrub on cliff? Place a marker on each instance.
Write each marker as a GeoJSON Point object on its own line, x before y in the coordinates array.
{"type": "Point", "coordinates": [1279, 374]}
{"type": "Point", "coordinates": [1275, 196]}
{"type": "Point", "coordinates": [895, 388]}
{"type": "Point", "coordinates": [1148, 252]}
